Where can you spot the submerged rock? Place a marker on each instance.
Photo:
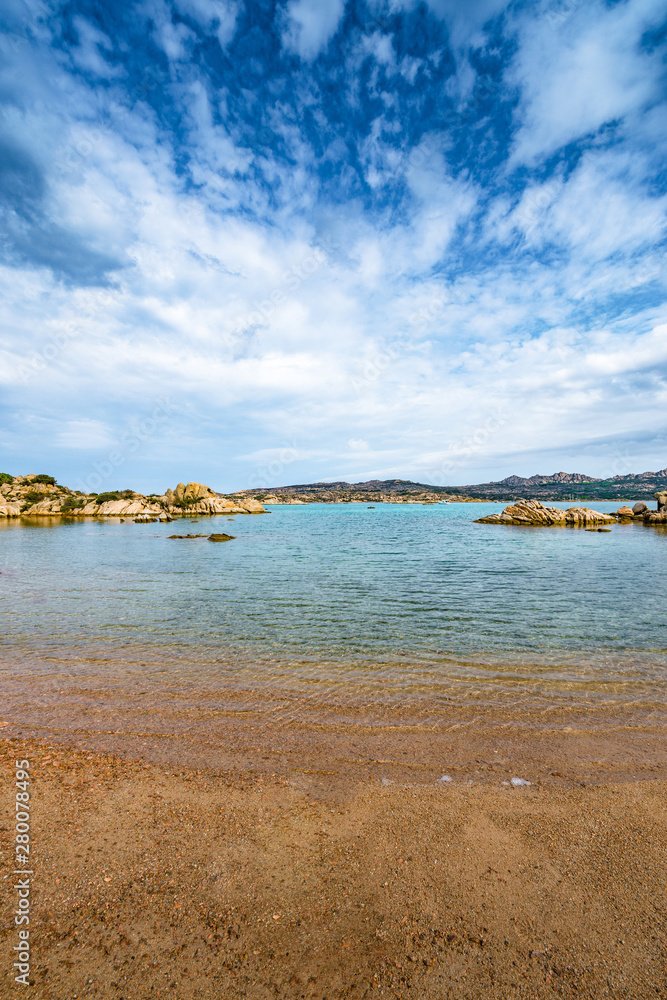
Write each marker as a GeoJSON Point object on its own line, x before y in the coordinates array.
{"type": "Point", "coordinates": [533, 513]}
{"type": "Point", "coordinates": [221, 538]}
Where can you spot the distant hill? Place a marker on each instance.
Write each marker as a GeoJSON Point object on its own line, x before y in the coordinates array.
{"type": "Point", "coordinates": [372, 491]}
{"type": "Point", "coordinates": [572, 486]}
{"type": "Point", "coordinates": [558, 477]}
{"type": "Point", "coordinates": [559, 486]}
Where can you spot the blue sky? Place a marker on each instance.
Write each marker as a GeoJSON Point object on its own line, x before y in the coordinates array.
{"type": "Point", "coordinates": [258, 243]}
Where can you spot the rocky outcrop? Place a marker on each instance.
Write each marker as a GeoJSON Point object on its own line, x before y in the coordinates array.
{"type": "Point", "coordinates": [641, 511]}
{"type": "Point", "coordinates": [193, 491]}
{"type": "Point", "coordinates": [655, 517]}
{"type": "Point", "coordinates": [10, 510]}
{"type": "Point", "coordinates": [196, 498]}
{"type": "Point", "coordinates": [533, 513]}
{"type": "Point", "coordinates": [41, 496]}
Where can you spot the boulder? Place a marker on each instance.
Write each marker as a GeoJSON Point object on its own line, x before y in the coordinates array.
{"type": "Point", "coordinates": [252, 507]}
{"type": "Point", "coordinates": [584, 515]}
{"type": "Point", "coordinates": [661, 497]}
{"type": "Point", "coordinates": [46, 506]}
{"type": "Point", "coordinates": [10, 510]}
{"type": "Point", "coordinates": [639, 508]}
{"type": "Point", "coordinates": [197, 491]}
{"type": "Point", "coordinates": [656, 517]}
{"type": "Point", "coordinates": [222, 537]}
{"type": "Point", "coordinates": [179, 492]}
{"type": "Point", "coordinates": [624, 512]}
{"type": "Point", "coordinates": [532, 512]}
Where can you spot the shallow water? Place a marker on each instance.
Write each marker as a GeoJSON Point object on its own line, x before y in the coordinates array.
{"type": "Point", "coordinates": [396, 604]}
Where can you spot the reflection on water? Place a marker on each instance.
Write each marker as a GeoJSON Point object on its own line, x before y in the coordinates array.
{"type": "Point", "coordinates": [396, 605]}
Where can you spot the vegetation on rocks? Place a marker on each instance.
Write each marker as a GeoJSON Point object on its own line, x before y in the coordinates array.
{"type": "Point", "coordinates": [103, 497]}
{"type": "Point", "coordinates": [73, 503]}
{"type": "Point", "coordinates": [33, 496]}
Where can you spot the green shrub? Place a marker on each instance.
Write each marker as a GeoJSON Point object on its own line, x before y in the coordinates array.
{"type": "Point", "coordinates": [5, 478]}
{"type": "Point", "coordinates": [43, 478]}
{"type": "Point", "coordinates": [34, 496]}
{"type": "Point", "coordinates": [71, 503]}
{"type": "Point", "coordinates": [103, 497]}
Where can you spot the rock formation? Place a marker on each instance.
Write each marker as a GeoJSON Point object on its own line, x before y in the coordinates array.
{"type": "Point", "coordinates": [641, 511]}
{"type": "Point", "coordinates": [533, 513]}
{"type": "Point", "coordinates": [196, 498]}
{"type": "Point", "coordinates": [41, 496]}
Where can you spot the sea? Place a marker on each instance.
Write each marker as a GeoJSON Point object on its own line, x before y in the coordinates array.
{"type": "Point", "coordinates": [395, 605]}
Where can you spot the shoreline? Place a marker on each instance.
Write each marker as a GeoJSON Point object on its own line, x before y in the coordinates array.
{"type": "Point", "coordinates": [327, 745]}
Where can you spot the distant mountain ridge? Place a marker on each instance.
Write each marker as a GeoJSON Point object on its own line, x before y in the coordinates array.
{"type": "Point", "coordinates": [572, 485]}
{"type": "Point", "coordinates": [559, 486]}
{"type": "Point", "coordinates": [558, 477]}
{"type": "Point", "coordinates": [574, 477]}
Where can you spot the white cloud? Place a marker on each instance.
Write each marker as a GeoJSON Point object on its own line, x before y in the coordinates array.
{"type": "Point", "coordinates": [88, 55]}
{"type": "Point", "coordinates": [86, 435]}
{"type": "Point", "coordinates": [576, 76]}
{"type": "Point", "coordinates": [379, 353]}
{"type": "Point", "coordinates": [213, 15]}
{"type": "Point", "coordinates": [310, 25]}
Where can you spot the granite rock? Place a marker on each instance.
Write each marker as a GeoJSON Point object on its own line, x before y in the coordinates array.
{"type": "Point", "coordinates": [533, 513]}
{"type": "Point", "coordinates": [624, 512]}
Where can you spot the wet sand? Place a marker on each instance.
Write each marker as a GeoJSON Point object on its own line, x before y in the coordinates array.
{"type": "Point", "coordinates": [193, 852]}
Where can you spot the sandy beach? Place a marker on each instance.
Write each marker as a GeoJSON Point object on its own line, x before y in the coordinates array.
{"type": "Point", "coordinates": [251, 878]}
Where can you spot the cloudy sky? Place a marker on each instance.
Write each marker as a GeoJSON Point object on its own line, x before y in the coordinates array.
{"type": "Point", "coordinates": [260, 242]}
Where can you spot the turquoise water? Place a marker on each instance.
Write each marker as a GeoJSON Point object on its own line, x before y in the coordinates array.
{"type": "Point", "coordinates": [412, 599]}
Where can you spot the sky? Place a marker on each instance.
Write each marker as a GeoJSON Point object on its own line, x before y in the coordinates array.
{"type": "Point", "coordinates": [253, 243]}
